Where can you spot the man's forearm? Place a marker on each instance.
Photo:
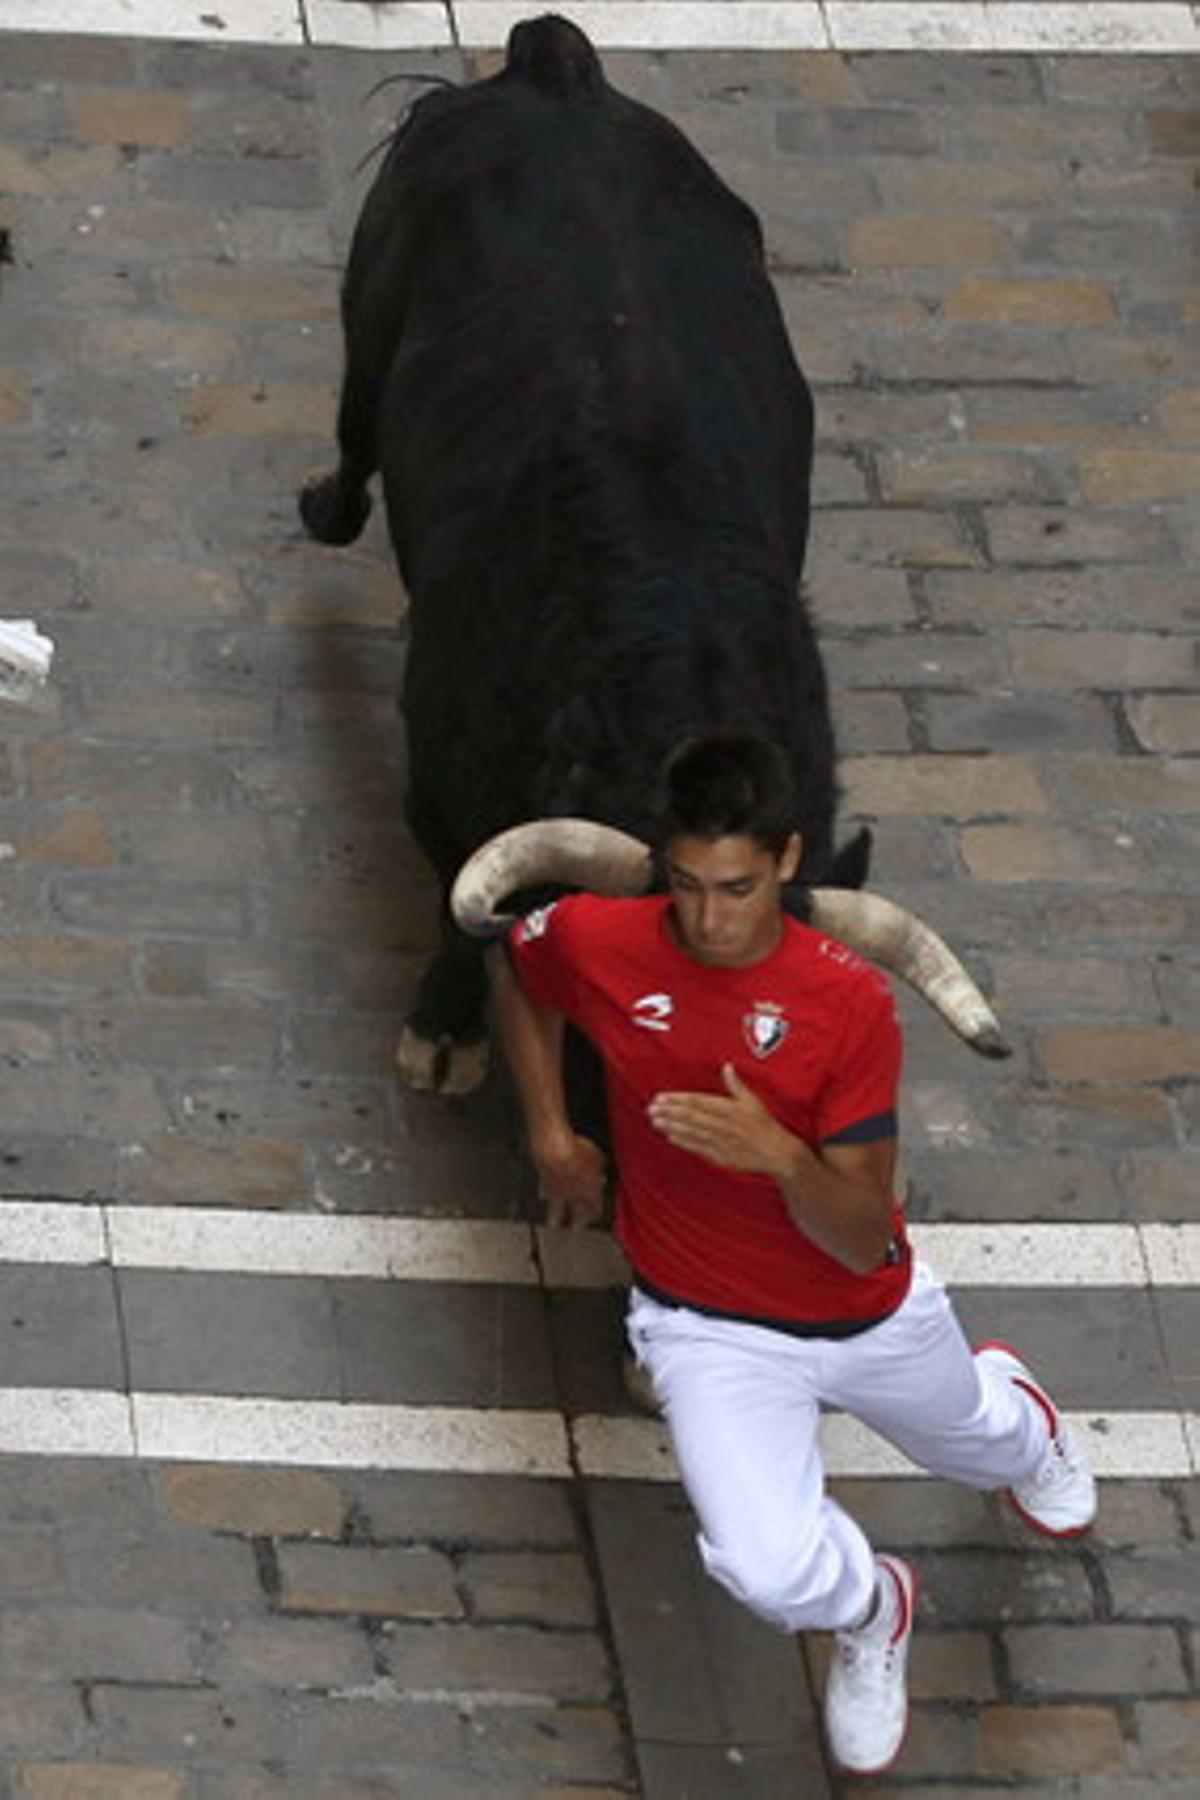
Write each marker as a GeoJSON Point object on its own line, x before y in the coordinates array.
{"type": "Point", "coordinates": [850, 1220]}
{"type": "Point", "coordinates": [532, 1036]}
{"type": "Point", "coordinates": [570, 1169]}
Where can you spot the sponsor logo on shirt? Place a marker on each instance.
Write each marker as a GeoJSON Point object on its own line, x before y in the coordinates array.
{"type": "Point", "coordinates": [534, 924]}
{"type": "Point", "coordinates": [839, 953]}
{"type": "Point", "coordinates": [849, 959]}
{"type": "Point", "coordinates": [653, 1012]}
{"type": "Point", "coordinates": [765, 1027]}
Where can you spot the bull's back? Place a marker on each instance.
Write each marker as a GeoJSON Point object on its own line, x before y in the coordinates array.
{"type": "Point", "coordinates": [592, 413]}
{"type": "Point", "coordinates": [577, 273]}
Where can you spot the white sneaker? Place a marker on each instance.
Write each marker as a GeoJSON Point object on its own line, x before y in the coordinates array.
{"type": "Point", "coordinates": [866, 1697]}
{"type": "Point", "coordinates": [1059, 1498]}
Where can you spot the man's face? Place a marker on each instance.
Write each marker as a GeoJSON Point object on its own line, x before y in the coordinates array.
{"type": "Point", "coordinates": [726, 897]}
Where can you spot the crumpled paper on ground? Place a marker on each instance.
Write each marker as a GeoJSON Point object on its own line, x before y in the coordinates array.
{"type": "Point", "coordinates": [25, 657]}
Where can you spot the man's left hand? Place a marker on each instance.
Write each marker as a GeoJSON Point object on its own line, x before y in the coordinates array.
{"type": "Point", "coordinates": [734, 1129]}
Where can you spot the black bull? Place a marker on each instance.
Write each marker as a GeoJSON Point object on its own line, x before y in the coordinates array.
{"type": "Point", "coordinates": [565, 358]}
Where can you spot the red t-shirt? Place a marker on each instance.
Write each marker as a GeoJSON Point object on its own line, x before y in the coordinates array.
{"type": "Point", "coordinates": [811, 1028]}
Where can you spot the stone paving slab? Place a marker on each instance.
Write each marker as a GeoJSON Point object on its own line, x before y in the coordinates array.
{"type": "Point", "coordinates": [730, 1716]}
{"type": "Point", "coordinates": [60, 1328]}
{"type": "Point", "coordinates": [238, 1625]}
{"type": "Point", "coordinates": [216, 924]}
{"type": "Point", "coordinates": [484, 1345]}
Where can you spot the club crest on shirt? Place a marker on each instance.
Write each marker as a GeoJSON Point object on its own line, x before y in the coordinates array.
{"type": "Point", "coordinates": [765, 1027]}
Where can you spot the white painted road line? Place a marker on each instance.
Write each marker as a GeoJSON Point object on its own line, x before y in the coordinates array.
{"type": "Point", "coordinates": [952, 25]}
{"type": "Point", "coordinates": [1038, 1255]}
{"type": "Point", "coordinates": [658, 24]}
{"type": "Point", "coordinates": [65, 1422]}
{"type": "Point", "coordinates": [219, 1240]}
{"type": "Point", "coordinates": [1172, 1255]}
{"type": "Point", "coordinates": [219, 21]}
{"type": "Point", "coordinates": [49, 1231]}
{"type": "Point", "coordinates": [266, 1243]}
{"type": "Point", "coordinates": [460, 1440]}
{"type": "Point", "coordinates": [1094, 25]}
{"type": "Point", "coordinates": [1162, 27]}
{"type": "Point", "coordinates": [1150, 1446]}
{"type": "Point", "coordinates": [330, 1434]}
{"type": "Point", "coordinates": [418, 25]}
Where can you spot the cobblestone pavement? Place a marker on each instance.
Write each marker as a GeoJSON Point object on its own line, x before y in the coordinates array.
{"type": "Point", "coordinates": [213, 922]}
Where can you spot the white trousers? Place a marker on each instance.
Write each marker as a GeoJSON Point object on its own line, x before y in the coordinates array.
{"type": "Point", "coordinates": [742, 1404]}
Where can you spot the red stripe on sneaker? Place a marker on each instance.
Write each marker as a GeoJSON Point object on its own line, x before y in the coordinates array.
{"type": "Point", "coordinates": [1026, 1382]}
{"type": "Point", "coordinates": [904, 1621]}
{"type": "Point", "coordinates": [1043, 1400]}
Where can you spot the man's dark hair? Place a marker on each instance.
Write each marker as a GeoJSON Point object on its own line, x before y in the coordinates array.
{"type": "Point", "coordinates": [727, 784]}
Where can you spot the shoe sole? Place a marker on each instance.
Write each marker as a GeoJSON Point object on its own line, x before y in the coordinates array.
{"type": "Point", "coordinates": [878, 1768]}
{"type": "Point", "coordinates": [897, 1753]}
{"type": "Point", "coordinates": [1030, 1386]}
{"type": "Point", "coordinates": [1049, 1531]}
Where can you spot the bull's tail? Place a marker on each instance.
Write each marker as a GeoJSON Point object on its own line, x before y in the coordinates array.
{"type": "Point", "coordinates": [552, 54]}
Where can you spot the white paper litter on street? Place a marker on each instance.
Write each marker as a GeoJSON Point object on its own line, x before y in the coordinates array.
{"type": "Point", "coordinates": [25, 657]}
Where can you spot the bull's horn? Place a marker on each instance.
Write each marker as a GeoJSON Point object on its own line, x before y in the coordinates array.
{"type": "Point", "coordinates": [563, 852]}
{"type": "Point", "coordinates": [901, 942]}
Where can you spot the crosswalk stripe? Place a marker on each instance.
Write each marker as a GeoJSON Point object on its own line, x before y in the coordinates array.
{"type": "Point", "coordinates": [216, 1428]}
{"type": "Point", "coordinates": [232, 21]}
{"type": "Point", "coordinates": [375, 1247]}
{"type": "Point", "coordinates": [1121, 1445]}
{"type": "Point", "coordinates": [65, 1422]}
{"type": "Point", "coordinates": [943, 26]}
{"type": "Point", "coordinates": [464, 1440]}
{"type": "Point", "coordinates": [262, 1429]}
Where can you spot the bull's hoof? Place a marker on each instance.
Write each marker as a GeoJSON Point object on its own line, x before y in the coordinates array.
{"type": "Point", "coordinates": [639, 1389]}
{"type": "Point", "coordinates": [443, 1066]}
{"type": "Point", "coordinates": [330, 514]}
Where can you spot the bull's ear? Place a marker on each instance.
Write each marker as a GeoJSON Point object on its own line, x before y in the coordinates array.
{"type": "Point", "coordinates": [789, 862]}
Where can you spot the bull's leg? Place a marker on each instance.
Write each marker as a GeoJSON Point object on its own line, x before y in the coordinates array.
{"type": "Point", "coordinates": [444, 1045]}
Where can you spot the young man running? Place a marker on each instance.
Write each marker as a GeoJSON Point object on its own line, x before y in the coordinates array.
{"type": "Point", "coordinates": [752, 1068]}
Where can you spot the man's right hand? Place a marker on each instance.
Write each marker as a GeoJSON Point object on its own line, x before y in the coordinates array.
{"type": "Point", "coordinates": [571, 1179]}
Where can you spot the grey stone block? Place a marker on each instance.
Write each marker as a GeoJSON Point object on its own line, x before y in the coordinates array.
{"type": "Point", "coordinates": [1111, 1659]}
{"type": "Point", "coordinates": [1090, 1346]}
{"type": "Point", "coordinates": [230, 1334]}
{"type": "Point", "coordinates": [187, 1725]}
{"type": "Point", "coordinates": [935, 82]}
{"type": "Point", "coordinates": [466, 1509]}
{"type": "Point", "coordinates": [574, 1744]}
{"type": "Point", "coordinates": [59, 1327]}
{"type": "Point", "coordinates": [1068, 722]}
{"type": "Point", "coordinates": [704, 1772]}
{"type": "Point", "coordinates": [970, 1186]}
{"type": "Point", "coordinates": [471, 1661]}
{"type": "Point", "coordinates": [176, 1573]}
{"type": "Point", "coordinates": [84, 1644]}
{"type": "Point", "coordinates": [699, 1671]}
{"type": "Point", "coordinates": [1155, 1584]}
{"type": "Point", "coordinates": [421, 1343]}
{"type": "Point", "coordinates": [971, 1587]}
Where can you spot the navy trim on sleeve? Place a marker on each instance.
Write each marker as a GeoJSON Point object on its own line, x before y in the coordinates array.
{"type": "Point", "coordinates": [867, 1131]}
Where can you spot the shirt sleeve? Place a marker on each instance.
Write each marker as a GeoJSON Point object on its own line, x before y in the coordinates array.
{"type": "Point", "coordinates": [858, 1102]}
{"type": "Point", "coordinates": [542, 947]}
